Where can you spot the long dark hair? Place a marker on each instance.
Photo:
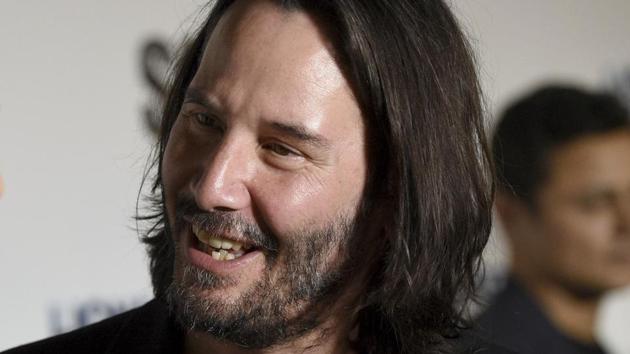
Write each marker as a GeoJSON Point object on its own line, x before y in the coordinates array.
{"type": "Point", "coordinates": [415, 80]}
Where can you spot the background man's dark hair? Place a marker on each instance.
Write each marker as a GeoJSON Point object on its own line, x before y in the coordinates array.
{"type": "Point", "coordinates": [415, 80]}
{"type": "Point", "coordinates": [531, 127]}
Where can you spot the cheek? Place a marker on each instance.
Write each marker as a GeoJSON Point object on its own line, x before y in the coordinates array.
{"type": "Point", "coordinates": [581, 239]}
{"type": "Point", "coordinates": [291, 203]}
{"type": "Point", "coordinates": [286, 202]}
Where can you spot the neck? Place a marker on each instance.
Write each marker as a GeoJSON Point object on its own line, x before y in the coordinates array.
{"type": "Point", "coordinates": [572, 314]}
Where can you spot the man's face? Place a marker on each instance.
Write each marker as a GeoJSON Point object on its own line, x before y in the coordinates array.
{"type": "Point", "coordinates": [268, 153]}
{"type": "Point", "coordinates": [581, 233]}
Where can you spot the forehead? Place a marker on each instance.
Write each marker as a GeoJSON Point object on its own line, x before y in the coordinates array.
{"type": "Point", "coordinates": [594, 161]}
{"type": "Point", "coordinates": [261, 54]}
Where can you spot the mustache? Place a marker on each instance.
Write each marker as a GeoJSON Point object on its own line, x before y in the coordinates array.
{"type": "Point", "coordinates": [218, 222]}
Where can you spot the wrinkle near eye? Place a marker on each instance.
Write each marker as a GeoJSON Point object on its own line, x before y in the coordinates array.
{"type": "Point", "coordinates": [308, 183]}
{"type": "Point", "coordinates": [315, 177]}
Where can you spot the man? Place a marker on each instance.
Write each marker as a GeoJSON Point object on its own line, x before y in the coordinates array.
{"type": "Point", "coordinates": [322, 186]}
{"type": "Point", "coordinates": [563, 160]}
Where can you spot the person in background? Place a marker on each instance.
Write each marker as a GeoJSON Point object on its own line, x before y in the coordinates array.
{"type": "Point", "coordinates": [562, 157]}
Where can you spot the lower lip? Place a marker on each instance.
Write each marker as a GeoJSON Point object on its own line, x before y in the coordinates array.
{"type": "Point", "coordinates": [203, 260]}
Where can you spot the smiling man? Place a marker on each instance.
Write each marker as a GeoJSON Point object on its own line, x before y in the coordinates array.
{"type": "Point", "coordinates": [322, 186]}
{"type": "Point", "coordinates": [263, 173]}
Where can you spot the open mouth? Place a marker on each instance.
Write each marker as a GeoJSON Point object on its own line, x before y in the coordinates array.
{"type": "Point", "coordinates": [219, 248]}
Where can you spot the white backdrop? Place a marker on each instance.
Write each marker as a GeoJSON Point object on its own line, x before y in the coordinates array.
{"type": "Point", "coordinates": [73, 143]}
{"type": "Point", "coordinates": [73, 146]}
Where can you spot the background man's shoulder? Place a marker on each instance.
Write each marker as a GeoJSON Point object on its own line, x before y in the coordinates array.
{"type": "Point", "coordinates": [471, 342]}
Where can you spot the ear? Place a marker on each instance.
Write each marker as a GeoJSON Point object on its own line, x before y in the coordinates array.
{"type": "Point", "coordinates": [504, 205]}
{"type": "Point", "coordinates": [512, 211]}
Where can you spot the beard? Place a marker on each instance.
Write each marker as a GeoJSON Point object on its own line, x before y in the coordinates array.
{"type": "Point", "coordinates": [301, 280]}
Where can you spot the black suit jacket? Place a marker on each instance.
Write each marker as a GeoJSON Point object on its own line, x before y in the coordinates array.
{"type": "Point", "coordinates": [149, 329]}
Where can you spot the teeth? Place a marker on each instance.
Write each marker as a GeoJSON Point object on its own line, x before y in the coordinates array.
{"type": "Point", "coordinates": [217, 242]}
{"type": "Point", "coordinates": [224, 255]}
{"type": "Point", "coordinates": [201, 234]}
{"type": "Point", "coordinates": [219, 248]}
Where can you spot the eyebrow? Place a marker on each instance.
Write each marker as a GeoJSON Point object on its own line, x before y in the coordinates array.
{"type": "Point", "coordinates": [301, 133]}
{"type": "Point", "coordinates": [295, 131]}
{"type": "Point", "coordinates": [194, 95]}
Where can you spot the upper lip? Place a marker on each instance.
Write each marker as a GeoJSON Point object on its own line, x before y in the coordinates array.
{"type": "Point", "coordinates": [224, 235]}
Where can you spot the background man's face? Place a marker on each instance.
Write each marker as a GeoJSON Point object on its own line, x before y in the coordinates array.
{"type": "Point", "coordinates": [581, 233]}
{"type": "Point", "coordinates": [270, 140]}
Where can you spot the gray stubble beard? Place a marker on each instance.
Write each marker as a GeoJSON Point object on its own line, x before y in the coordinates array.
{"type": "Point", "coordinates": [276, 309]}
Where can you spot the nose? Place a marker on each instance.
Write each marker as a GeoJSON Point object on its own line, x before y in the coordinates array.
{"type": "Point", "coordinates": [221, 182]}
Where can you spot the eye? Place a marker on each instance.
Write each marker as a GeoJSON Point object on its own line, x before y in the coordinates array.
{"type": "Point", "coordinates": [597, 202]}
{"type": "Point", "coordinates": [282, 156]}
{"type": "Point", "coordinates": [205, 120]}
{"type": "Point", "coordinates": [201, 118]}
{"type": "Point", "coordinates": [281, 150]}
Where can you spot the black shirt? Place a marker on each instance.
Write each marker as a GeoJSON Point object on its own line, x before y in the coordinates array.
{"type": "Point", "coordinates": [150, 329]}
{"type": "Point", "coordinates": [514, 320]}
